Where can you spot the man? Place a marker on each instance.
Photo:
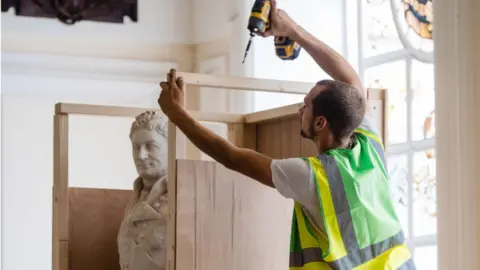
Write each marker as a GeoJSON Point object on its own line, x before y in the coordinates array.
{"type": "Point", "coordinates": [141, 237]}
{"type": "Point", "coordinates": [343, 214]}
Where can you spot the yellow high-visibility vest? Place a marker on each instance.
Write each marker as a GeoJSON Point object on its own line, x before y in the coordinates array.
{"type": "Point", "coordinates": [361, 226]}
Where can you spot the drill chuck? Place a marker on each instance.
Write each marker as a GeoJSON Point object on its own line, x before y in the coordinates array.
{"type": "Point", "coordinates": [259, 23]}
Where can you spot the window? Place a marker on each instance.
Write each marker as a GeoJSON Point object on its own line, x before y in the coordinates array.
{"type": "Point", "coordinates": [390, 43]}
{"type": "Point", "coordinates": [395, 52]}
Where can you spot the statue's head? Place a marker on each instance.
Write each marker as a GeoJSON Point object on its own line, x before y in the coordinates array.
{"type": "Point", "coordinates": [148, 135]}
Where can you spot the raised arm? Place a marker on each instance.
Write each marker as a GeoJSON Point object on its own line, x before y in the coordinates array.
{"type": "Point", "coordinates": [242, 160]}
{"type": "Point", "coordinates": [328, 59]}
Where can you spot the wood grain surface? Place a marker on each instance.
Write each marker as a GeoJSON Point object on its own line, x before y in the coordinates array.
{"type": "Point", "coordinates": [228, 221]}
{"type": "Point", "coordinates": [95, 217]}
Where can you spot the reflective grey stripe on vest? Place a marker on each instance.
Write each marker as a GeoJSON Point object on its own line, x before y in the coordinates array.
{"type": "Point", "coordinates": [340, 202]}
{"type": "Point", "coordinates": [304, 256]}
{"type": "Point", "coordinates": [355, 255]}
{"type": "Point", "coordinates": [408, 265]}
{"type": "Point", "coordinates": [378, 148]}
{"type": "Point", "coordinates": [354, 258]}
{"type": "Point", "coordinates": [361, 256]}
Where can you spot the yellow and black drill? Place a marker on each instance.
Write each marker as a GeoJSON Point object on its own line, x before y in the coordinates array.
{"type": "Point", "coordinates": [259, 22]}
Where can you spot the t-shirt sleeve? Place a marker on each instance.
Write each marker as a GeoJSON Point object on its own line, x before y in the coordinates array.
{"type": "Point", "coordinates": [293, 179]}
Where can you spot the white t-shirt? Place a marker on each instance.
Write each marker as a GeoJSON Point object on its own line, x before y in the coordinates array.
{"type": "Point", "coordinates": [293, 179]}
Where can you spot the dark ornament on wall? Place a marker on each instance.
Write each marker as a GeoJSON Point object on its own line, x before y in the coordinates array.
{"type": "Point", "coordinates": [72, 11]}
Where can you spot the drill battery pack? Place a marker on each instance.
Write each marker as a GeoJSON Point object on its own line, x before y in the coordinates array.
{"type": "Point", "coordinates": [286, 48]}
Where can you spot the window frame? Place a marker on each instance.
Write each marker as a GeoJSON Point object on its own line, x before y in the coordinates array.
{"type": "Point", "coordinates": [410, 147]}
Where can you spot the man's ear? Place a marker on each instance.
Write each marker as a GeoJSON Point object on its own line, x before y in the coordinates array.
{"type": "Point", "coordinates": [320, 123]}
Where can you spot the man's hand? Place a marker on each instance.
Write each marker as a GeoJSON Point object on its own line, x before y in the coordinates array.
{"type": "Point", "coordinates": [244, 161]}
{"type": "Point", "coordinates": [172, 97]}
{"type": "Point", "coordinates": [281, 24]}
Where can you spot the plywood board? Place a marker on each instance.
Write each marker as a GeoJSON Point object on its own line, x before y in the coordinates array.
{"type": "Point", "coordinates": [228, 221]}
{"type": "Point", "coordinates": [94, 220]}
{"type": "Point", "coordinates": [281, 139]}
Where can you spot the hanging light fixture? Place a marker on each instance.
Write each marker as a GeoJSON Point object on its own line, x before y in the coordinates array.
{"type": "Point", "coordinates": [71, 11]}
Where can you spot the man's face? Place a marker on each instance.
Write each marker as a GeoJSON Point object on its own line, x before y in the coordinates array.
{"type": "Point", "coordinates": [307, 119]}
{"type": "Point", "coordinates": [149, 151]}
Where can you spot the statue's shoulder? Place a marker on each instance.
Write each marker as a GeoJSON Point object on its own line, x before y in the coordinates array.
{"type": "Point", "coordinates": [160, 188]}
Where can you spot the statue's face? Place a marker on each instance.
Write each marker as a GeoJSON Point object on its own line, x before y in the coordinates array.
{"type": "Point", "coordinates": [149, 153]}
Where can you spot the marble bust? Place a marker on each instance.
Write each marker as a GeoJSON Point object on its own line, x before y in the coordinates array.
{"type": "Point", "coordinates": [141, 238]}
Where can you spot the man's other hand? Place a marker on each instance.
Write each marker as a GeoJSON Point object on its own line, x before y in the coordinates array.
{"type": "Point", "coordinates": [281, 25]}
{"type": "Point", "coordinates": [172, 96]}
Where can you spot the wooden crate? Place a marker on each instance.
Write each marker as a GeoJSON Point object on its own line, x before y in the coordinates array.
{"type": "Point", "coordinates": [218, 219]}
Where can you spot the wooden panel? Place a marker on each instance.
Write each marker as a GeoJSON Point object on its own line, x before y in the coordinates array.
{"type": "Point", "coordinates": [228, 221]}
{"type": "Point", "coordinates": [95, 217]}
{"type": "Point", "coordinates": [282, 139]}
{"type": "Point", "coordinates": [243, 135]}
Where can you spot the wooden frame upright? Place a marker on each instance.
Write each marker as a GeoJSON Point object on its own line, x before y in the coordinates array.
{"type": "Point", "coordinates": [253, 130]}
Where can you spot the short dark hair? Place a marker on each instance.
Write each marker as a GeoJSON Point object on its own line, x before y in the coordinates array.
{"type": "Point", "coordinates": [342, 105]}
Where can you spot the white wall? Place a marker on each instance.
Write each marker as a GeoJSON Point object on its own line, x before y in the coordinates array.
{"type": "Point", "coordinates": [99, 146]}
{"type": "Point", "coordinates": [322, 18]}
{"type": "Point", "coordinates": [128, 60]}
{"type": "Point", "coordinates": [44, 62]}
{"type": "Point", "coordinates": [160, 22]}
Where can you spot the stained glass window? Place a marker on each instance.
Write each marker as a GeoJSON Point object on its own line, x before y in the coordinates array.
{"type": "Point", "coordinates": [419, 16]}
{"type": "Point", "coordinates": [414, 23]}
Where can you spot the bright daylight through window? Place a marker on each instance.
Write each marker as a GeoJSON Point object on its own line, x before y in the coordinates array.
{"type": "Point", "coordinates": [390, 43]}
{"type": "Point", "coordinates": [396, 53]}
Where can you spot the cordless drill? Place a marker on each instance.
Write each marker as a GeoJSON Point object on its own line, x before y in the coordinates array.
{"type": "Point", "coordinates": [259, 22]}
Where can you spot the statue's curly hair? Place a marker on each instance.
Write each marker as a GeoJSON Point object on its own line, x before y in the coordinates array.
{"type": "Point", "coordinates": [150, 120]}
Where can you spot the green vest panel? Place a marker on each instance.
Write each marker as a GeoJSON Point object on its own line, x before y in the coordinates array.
{"type": "Point", "coordinates": [361, 226]}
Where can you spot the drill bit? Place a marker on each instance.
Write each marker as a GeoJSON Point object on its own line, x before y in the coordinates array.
{"type": "Point", "coordinates": [248, 47]}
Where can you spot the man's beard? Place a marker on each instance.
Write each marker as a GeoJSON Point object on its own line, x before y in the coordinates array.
{"type": "Point", "coordinates": [306, 135]}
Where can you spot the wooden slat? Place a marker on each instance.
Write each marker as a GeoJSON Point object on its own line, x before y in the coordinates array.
{"type": "Point", "coordinates": [71, 108]}
{"type": "Point", "coordinates": [384, 121]}
{"type": "Point", "coordinates": [246, 83]}
{"type": "Point", "coordinates": [60, 219]}
{"type": "Point", "coordinates": [172, 197]}
{"type": "Point", "coordinates": [95, 218]}
{"type": "Point", "coordinates": [375, 93]}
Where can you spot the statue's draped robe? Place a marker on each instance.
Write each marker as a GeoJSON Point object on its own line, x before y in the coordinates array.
{"type": "Point", "coordinates": [142, 236]}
